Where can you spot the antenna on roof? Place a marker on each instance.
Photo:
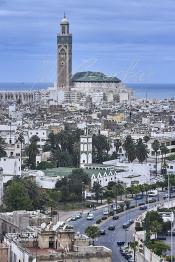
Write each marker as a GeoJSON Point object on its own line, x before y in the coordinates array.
{"type": "Point", "coordinates": [64, 14]}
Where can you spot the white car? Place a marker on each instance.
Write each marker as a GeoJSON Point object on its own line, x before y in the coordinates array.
{"type": "Point", "coordinates": [106, 212]}
{"type": "Point", "coordinates": [90, 217]}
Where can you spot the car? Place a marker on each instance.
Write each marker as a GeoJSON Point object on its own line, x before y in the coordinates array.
{"type": "Point", "coordinates": [73, 219]}
{"type": "Point", "coordinates": [151, 200]}
{"type": "Point", "coordinates": [111, 227]}
{"type": "Point", "coordinates": [143, 208]}
{"type": "Point", "coordinates": [130, 221]}
{"type": "Point", "coordinates": [126, 225]}
{"type": "Point", "coordinates": [120, 243]}
{"type": "Point", "coordinates": [141, 204]}
{"type": "Point", "coordinates": [102, 232]}
{"type": "Point", "coordinates": [160, 237]}
{"type": "Point", "coordinates": [132, 206]}
{"type": "Point", "coordinates": [138, 197]}
{"type": "Point", "coordinates": [131, 260]}
{"type": "Point", "coordinates": [90, 216]}
{"type": "Point", "coordinates": [78, 216]}
{"type": "Point", "coordinates": [169, 233]}
{"type": "Point", "coordinates": [106, 212]}
{"type": "Point", "coordinates": [115, 217]}
{"type": "Point", "coordinates": [104, 217]}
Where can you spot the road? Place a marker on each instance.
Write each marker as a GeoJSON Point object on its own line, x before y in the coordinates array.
{"type": "Point", "coordinates": [111, 237]}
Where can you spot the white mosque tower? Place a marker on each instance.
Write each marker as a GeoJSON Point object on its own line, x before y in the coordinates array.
{"type": "Point", "coordinates": [85, 149]}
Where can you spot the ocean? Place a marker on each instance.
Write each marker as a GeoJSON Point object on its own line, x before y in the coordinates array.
{"type": "Point", "coordinates": [154, 91]}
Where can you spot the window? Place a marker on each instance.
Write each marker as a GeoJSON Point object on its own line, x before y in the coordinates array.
{"type": "Point", "coordinates": [17, 154]}
{"type": "Point", "coordinates": [17, 146]}
{"type": "Point", "coordinates": [171, 167]}
{"type": "Point", "coordinates": [11, 153]}
{"type": "Point", "coordinates": [4, 159]}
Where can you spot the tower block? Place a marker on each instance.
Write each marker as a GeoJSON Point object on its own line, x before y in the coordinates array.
{"type": "Point", "coordinates": [85, 149]}
{"type": "Point", "coordinates": [64, 56]}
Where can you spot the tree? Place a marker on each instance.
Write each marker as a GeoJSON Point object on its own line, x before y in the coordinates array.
{"type": "Point", "coordinates": [134, 245]}
{"type": "Point", "coordinates": [117, 145]}
{"type": "Point", "coordinates": [158, 247]}
{"type": "Point", "coordinates": [21, 140]}
{"type": "Point", "coordinates": [101, 147]}
{"type": "Point", "coordinates": [130, 148]}
{"type": "Point", "coordinates": [73, 183]}
{"type": "Point", "coordinates": [2, 147]}
{"type": "Point", "coordinates": [152, 224]}
{"type": "Point", "coordinates": [164, 151]}
{"type": "Point", "coordinates": [16, 197]}
{"type": "Point", "coordinates": [146, 139]}
{"type": "Point", "coordinates": [141, 151]}
{"type": "Point", "coordinates": [97, 189]}
{"type": "Point", "coordinates": [92, 231]}
{"type": "Point", "coordinates": [156, 147]}
{"type": "Point", "coordinates": [32, 151]}
{"type": "Point", "coordinates": [43, 165]}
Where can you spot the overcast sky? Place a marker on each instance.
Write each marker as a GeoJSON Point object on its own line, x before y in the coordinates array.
{"type": "Point", "coordinates": [132, 39]}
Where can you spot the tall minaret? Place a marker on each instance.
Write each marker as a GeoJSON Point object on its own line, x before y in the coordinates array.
{"type": "Point", "coordinates": [64, 56]}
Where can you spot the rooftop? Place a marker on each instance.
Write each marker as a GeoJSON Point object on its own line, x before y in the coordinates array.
{"type": "Point", "coordinates": [94, 77]}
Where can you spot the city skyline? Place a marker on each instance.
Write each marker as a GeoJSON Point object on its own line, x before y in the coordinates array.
{"type": "Point", "coordinates": [133, 41]}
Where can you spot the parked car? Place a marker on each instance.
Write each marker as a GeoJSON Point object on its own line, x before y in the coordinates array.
{"type": "Point", "coordinates": [106, 212]}
{"type": "Point", "coordinates": [104, 217]}
{"type": "Point", "coordinates": [138, 197]}
{"type": "Point", "coordinates": [120, 243]}
{"type": "Point", "coordinates": [126, 225]}
{"type": "Point", "coordinates": [79, 215]}
{"type": "Point", "coordinates": [102, 232]}
{"type": "Point", "coordinates": [115, 217]}
{"type": "Point", "coordinates": [73, 219]}
{"type": "Point", "coordinates": [143, 208]}
{"type": "Point", "coordinates": [111, 227]}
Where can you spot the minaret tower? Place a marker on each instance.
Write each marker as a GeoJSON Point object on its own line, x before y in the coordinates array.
{"type": "Point", "coordinates": [85, 149]}
{"type": "Point", "coordinates": [64, 56]}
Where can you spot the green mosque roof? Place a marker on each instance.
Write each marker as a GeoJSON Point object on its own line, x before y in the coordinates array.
{"type": "Point", "coordinates": [94, 77]}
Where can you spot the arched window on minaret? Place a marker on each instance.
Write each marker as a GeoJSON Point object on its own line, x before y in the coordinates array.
{"type": "Point", "coordinates": [63, 29]}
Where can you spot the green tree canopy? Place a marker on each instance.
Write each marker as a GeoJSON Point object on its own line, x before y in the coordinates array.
{"type": "Point", "coordinates": [2, 147]}
{"type": "Point", "coordinates": [141, 151]}
{"type": "Point", "coordinates": [92, 231]}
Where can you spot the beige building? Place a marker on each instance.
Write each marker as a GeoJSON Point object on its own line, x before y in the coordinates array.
{"type": "Point", "coordinates": [54, 242]}
{"type": "Point", "coordinates": [3, 252]}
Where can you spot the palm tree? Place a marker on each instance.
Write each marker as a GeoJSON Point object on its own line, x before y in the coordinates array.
{"type": "Point", "coordinates": [146, 139]}
{"type": "Point", "coordinates": [21, 140]}
{"type": "Point", "coordinates": [117, 145]}
{"type": "Point", "coordinates": [134, 245]}
{"type": "Point", "coordinates": [156, 147]}
{"type": "Point", "coordinates": [130, 148]}
{"type": "Point", "coordinates": [32, 151]}
{"type": "Point", "coordinates": [164, 150]}
{"type": "Point", "coordinates": [2, 147]}
{"type": "Point", "coordinates": [141, 151]}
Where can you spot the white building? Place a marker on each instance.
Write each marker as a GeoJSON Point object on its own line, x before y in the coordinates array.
{"type": "Point", "coordinates": [11, 167]}
{"type": "Point", "coordinates": [85, 150]}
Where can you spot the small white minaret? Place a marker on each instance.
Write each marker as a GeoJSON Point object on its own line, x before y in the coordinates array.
{"type": "Point", "coordinates": [85, 149]}
{"type": "Point", "coordinates": [1, 186]}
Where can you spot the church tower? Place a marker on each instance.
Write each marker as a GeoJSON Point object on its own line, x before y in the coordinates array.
{"type": "Point", "coordinates": [64, 56]}
{"type": "Point", "coordinates": [85, 149]}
